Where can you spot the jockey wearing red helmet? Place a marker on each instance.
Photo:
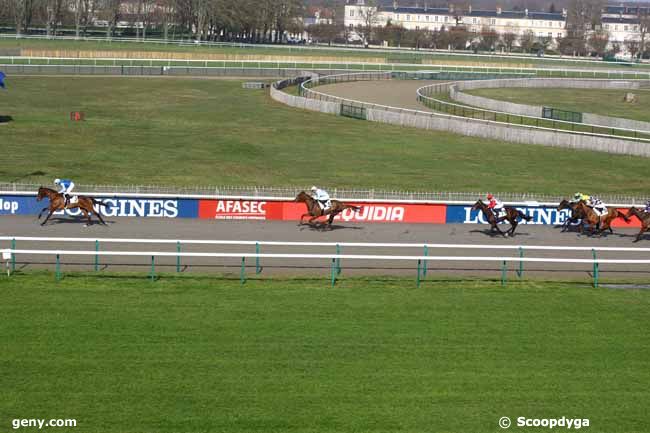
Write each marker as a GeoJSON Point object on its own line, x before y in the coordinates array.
{"type": "Point", "coordinates": [495, 204]}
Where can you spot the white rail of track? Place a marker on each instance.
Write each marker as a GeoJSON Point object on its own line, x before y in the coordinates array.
{"type": "Point", "coordinates": [422, 259]}
{"type": "Point", "coordinates": [322, 256]}
{"type": "Point", "coordinates": [315, 244]}
{"type": "Point", "coordinates": [309, 92]}
{"type": "Point", "coordinates": [322, 64]}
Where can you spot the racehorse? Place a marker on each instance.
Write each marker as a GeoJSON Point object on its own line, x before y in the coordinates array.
{"type": "Point", "coordinates": [57, 202]}
{"type": "Point", "coordinates": [592, 219]}
{"type": "Point", "coordinates": [644, 217]}
{"type": "Point", "coordinates": [512, 214]}
{"type": "Point", "coordinates": [576, 215]}
{"type": "Point", "coordinates": [314, 210]}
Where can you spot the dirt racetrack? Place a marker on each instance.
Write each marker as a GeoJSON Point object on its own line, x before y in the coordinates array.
{"type": "Point", "coordinates": [395, 93]}
{"type": "Point", "coordinates": [191, 229]}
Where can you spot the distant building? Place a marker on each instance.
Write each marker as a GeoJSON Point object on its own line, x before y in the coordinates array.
{"type": "Point", "coordinates": [621, 22]}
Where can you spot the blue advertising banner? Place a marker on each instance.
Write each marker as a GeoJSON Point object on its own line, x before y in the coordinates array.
{"type": "Point", "coordinates": [540, 214]}
{"type": "Point", "coordinates": [117, 206]}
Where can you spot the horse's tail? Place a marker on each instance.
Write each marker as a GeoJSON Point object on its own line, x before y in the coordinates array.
{"type": "Point", "coordinates": [524, 216]}
{"type": "Point", "coordinates": [354, 208]}
{"type": "Point", "coordinates": [95, 201]}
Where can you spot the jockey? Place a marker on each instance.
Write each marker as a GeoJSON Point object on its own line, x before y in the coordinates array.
{"type": "Point", "coordinates": [495, 204]}
{"type": "Point", "coordinates": [647, 206]}
{"type": "Point", "coordinates": [597, 205]}
{"type": "Point", "coordinates": [66, 186]}
{"type": "Point", "coordinates": [322, 197]}
{"type": "Point", "coordinates": [578, 197]}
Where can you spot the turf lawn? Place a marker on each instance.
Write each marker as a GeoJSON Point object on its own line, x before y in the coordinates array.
{"type": "Point", "coordinates": [604, 102]}
{"type": "Point", "coordinates": [187, 132]}
{"type": "Point", "coordinates": [197, 354]}
{"type": "Point", "coordinates": [357, 52]}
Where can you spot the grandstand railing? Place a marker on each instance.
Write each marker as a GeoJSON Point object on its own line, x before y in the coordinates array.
{"type": "Point", "coordinates": [306, 90]}
{"type": "Point", "coordinates": [9, 254]}
{"type": "Point", "coordinates": [290, 192]}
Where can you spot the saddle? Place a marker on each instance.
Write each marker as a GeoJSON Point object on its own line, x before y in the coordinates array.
{"type": "Point", "coordinates": [71, 199]}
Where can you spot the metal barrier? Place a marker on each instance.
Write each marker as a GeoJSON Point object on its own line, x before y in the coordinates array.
{"type": "Point", "coordinates": [308, 64]}
{"type": "Point", "coordinates": [547, 123]}
{"type": "Point", "coordinates": [633, 145]}
{"type": "Point", "coordinates": [9, 254]}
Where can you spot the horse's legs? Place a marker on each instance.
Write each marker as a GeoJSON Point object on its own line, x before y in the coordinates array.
{"type": "Point", "coordinates": [513, 224]}
{"type": "Point", "coordinates": [86, 215]}
{"type": "Point", "coordinates": [41, 212]}
{"type": "Point", "coordinates": [303, 216]}
{"type": "Point", "coordinates": [100, 217]}
{"type": "Point", "coordinates": [48, 217]}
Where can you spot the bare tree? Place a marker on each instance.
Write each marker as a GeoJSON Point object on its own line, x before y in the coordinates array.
{"type": "Point", "coordinates": [488, 39]}
{"type": "Point", "coordinates": [632, 45]}
{"type": "Point", "coordinates": [509, 38]}
{"type": "Point", "coordinates": [369, 16]}
{"type": "Point", "coordinates": [526, 41]}
{"type": "Point", "coordinates": [598, 41]}
{"type": "Point", "coordinates": [644, 27]}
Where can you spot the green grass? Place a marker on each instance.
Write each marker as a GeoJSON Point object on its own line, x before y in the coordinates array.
{"type": "Point", "coordinates": [183, 132]}
{"type": "Point", "coordinates": [604, 102]}
{"type": "Point", "coordinates": [195, 354]}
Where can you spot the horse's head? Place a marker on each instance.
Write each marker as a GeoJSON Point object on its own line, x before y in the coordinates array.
{"type": "Point", "coordinates": [42, 193]}
{"type": "Point", "coordinates": [302, 197]}
{"type": "Point", "coordinates": [478, 205]}
{"type": "Point", "coordinates": [564, 204]}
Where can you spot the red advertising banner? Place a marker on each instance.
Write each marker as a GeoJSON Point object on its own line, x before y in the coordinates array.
{"type": "Point", "coordinates": [620, 222]}
{"type": "Point", "coordinates": [232, 209]}
{"type": "Point", "coordinates": [290, 211]}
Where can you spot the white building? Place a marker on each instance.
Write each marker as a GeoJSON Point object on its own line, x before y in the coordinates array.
{"type": "Point", "coordinates": [621, 22]}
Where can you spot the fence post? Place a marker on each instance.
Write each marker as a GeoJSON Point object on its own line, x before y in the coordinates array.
{"type": "Point", "coordinates": [426, 254]}
{"type": "Point", "coordinates": [13, 256]}
{"type": "Point", "coordinates": [338, 259]}
{"type": "Point", "coordinates": [242, 272]}
{"type": "Point", "coordinates": [520, 272]}
{"type": "Point", "coordinates": [152, 274]}
{"type": "Point", "coordinates": [333, 272]}
{"type": "Point", "coordinates": [58, 267]}
{"type": "Point", "coordinates": [258, 269]}
{"type": "Point", "coordinates": [595, 272]}
{"type": "Point", "coordinates": [504, 273]}
{"type": "Point", "coordinates": [417, 281]}
{"type": "Point", "coordinates": [96, 255]}
{"type": "Point", "coordinates": [178, 257]}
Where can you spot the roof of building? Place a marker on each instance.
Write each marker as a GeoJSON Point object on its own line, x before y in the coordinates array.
{"type": "Point", "coordinates": [533, 15]}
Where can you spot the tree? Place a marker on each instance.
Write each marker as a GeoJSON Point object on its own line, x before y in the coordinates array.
{"type": "Point", "coordinates": [598, 42]}
{"type": "Point", "coordinates": [488, 39]}
{"type": "Point", "coordinates": [458, 38]}
{"type": "Point", "coordinates": [526, 41]}
{"type": "Point", "coordinates": [644, 26]}
{"type": "Point", "coordinates": [632, 44]}
{"type": "Point", "coordinates": [509, 38]}
{"type": "Point", "coordinates": [325, 32]}
{"type": "Point", "coordinates": [369, 16]}
{"type": "Point", "coordinates": [582, 17]}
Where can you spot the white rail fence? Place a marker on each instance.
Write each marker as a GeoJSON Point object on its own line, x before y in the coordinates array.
{"type": "Point", "coordinates": [423, 259]}
{"type": "Point", "coordinates": [309, 64]}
